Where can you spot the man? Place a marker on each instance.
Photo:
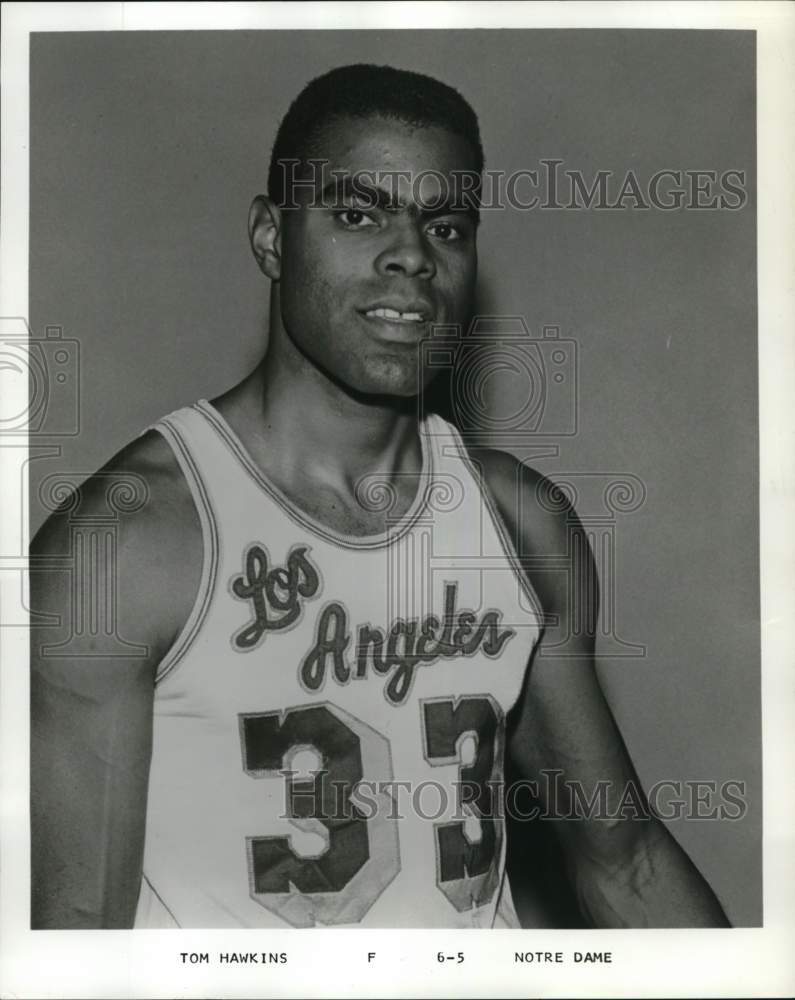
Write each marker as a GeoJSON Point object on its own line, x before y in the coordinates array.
{"type": "Point", "coordinates": [335, 618]}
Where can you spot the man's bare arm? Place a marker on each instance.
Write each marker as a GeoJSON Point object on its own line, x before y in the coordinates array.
{"type": "Point", "coordinates": [91, 715]}
{"type": "Point", "coordinates": [626, 872]}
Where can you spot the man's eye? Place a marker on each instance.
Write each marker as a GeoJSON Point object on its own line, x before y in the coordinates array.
{"type": "Point", "coordinates": [355, 218]}
{"type": "Point", "coordinates": [445, 231]}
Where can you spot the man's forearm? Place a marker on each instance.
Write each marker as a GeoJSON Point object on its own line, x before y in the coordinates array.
{"type": "Point", "coordinates": [654, 884]}
{"type": "Point", "coordinates": [89, 769]}
{"type": "Point", "coordinates": [86, 849]}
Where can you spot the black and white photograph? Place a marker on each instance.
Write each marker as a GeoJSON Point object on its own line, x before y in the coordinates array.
{"type": "Point", "coordinates": [387, 425]}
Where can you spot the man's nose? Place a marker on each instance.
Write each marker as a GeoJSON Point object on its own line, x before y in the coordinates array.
{"type": "Point", "coordinates": [408, 253]}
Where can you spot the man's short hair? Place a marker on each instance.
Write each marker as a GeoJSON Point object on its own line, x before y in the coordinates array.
{"type": "Point", "coordinates": [360, 91]}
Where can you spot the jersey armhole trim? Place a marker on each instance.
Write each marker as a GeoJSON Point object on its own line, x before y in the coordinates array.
{"type": "Point", "coordinates": [209, 572]}
{"type": "Point", "coordinates": [502, 533]}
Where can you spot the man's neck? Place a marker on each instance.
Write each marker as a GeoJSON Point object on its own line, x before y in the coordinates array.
{"type": "Point", "coordinates": [298, 423]}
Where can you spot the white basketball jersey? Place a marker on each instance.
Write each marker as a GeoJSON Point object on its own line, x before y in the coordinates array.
{"type": "Point", "coordinates": [329, 727]}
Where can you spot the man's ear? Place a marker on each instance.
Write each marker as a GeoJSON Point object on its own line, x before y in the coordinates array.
{"type": "Point", "coordinates": [265, 234]}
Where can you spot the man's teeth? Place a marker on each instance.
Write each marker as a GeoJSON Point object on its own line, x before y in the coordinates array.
{"type": "Point", "coordinates": [412, 317]}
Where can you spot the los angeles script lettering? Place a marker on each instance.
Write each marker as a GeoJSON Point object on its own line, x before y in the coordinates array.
{"type": "Point", "coordinates": [276, 595]}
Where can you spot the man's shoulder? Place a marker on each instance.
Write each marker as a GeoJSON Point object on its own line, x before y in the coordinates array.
{"type": "Point", "coordinates": [542, 524]}
{"type": "Point", "coordinates": [157, 554]}
{"type": "Point", "coordinates": [144, 486]}
{"type": "Point", "coordinates": [536, 512]}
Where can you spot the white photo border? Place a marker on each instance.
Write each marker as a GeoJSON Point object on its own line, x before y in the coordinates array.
{"type": "Point", "coordinates": [651, 963]}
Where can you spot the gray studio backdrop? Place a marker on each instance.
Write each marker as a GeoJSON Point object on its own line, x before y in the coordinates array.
{"type": "Point", "coordinates": [146, 149]}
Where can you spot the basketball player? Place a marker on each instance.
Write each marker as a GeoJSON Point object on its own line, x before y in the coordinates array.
{"type": "Point", "coordinates": [336, 621]}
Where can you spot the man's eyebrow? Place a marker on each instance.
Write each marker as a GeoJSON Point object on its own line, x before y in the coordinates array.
{"type": "Point", "coordinates": [357, 186]}
{"type": "Point", "coordinates": [377, 196]}
{"type": "Point", "coordinates": [452, 206]}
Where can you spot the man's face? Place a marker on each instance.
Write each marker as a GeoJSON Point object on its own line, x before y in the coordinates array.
{"type": "Point", "coordinates": [361, 284]}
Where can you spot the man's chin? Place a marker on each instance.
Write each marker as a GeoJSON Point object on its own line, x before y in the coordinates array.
{"type": "Point", "coordinates": [385, 377]}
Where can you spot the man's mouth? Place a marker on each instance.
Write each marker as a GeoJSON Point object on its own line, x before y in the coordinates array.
{"type": "Point", "coordinates": [400, 310]}
{"type": "Point", "coordinates": [395, 316]}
